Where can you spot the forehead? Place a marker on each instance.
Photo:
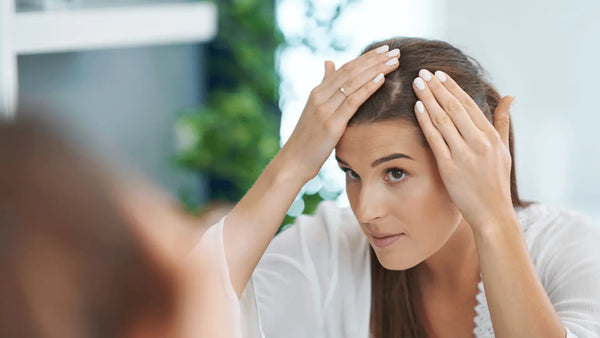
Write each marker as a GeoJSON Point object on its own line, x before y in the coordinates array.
{"type": "Point", "coordinates": [376, 139]}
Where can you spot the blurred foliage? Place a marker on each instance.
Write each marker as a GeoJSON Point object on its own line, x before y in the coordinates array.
{"type": "Point", "coordinates": [235, 133]}
{"type": "Point", "coordinates": [230, 138]}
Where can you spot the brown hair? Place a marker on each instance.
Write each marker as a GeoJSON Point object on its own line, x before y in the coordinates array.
{"type": "Point", "coordinates": [395, 305]}
{"type": "Point", "coordinates": [70, 264]}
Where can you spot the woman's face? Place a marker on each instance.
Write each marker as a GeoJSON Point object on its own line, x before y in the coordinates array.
{"type": "Point", "coordinates": [396, 192]}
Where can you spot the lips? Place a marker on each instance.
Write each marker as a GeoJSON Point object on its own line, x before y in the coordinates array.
{"type": "Point", "coordinates": [384, 240]}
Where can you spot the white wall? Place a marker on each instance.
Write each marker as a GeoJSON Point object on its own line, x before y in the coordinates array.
{"type": "Point", "coordinates": [546, 54]}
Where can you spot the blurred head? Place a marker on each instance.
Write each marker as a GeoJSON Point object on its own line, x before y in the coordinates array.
{"type": "Point", "coordinates": [70, 264]}
{"type": "Point", "coordinates": [392, 178]}
{"type": "Point", "coordinates": [84, 254]}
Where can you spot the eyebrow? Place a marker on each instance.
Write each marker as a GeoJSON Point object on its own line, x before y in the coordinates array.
{"type": "Point", "coordinates": [381, 160]}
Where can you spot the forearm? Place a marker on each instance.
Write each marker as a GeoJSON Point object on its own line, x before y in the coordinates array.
{"type": "Point", "coordinates": [518, 304]}
{"type": "Point", "coordinates": [253, 222]}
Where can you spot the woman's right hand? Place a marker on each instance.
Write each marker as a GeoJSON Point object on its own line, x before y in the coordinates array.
{"type": "Point", "coordinates": [254, 220]}
{"type": "Point", "coordinates": [328, 110]}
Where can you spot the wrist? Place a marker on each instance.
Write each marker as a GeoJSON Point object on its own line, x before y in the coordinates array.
{"type": "Point", "coordinates": [495, 226]}
{"type": "Point", "coordinates": [292, 167]}
{"type": "Point", "coordinates": [289, 169]}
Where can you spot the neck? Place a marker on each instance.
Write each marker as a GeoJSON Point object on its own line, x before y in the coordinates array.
{"type": "Point", "coordinates": [455, 266]}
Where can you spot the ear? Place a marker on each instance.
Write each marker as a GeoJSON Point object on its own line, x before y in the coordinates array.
{"type": "Point", "coordinates": [502, 118]}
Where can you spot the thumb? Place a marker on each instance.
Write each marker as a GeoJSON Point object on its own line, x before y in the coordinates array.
{"type": "Point", "coordinates": [329, 68]}
{"type": "Point", "coordinates": [502, 118]}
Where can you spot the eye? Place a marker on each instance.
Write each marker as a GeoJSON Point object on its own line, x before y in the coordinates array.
{"type": "Point", "coordinates": [395, 175]}
{"type": "Point", "coordinates": [351, 174]}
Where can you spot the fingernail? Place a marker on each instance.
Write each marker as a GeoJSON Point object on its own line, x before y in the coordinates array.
{"type": "Point", "coordinates": [392, 62]}
{"type": "Point", "coordinates": [513, 101]}
{"type": "Point", "coordinates": [420, 107]}
{"type": "Point", "coordinates": [440, 75]}
{"type": "Point", "coordinates": [419, 83]}
{"type": "Point", "coordinates": [382, 49]}
{"type": "Point", "coordinates": [426, 75]}
{"type": "Point", "coordinates": [378, 77]}
{"type": "Point", "coordinates": [393, 52]}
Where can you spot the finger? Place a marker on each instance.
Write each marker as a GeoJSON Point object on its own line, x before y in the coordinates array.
{"type": "Point", "coordinates": [347, 109]}
{"type": "Point", "coordinates": [346, 75]}
{"type": "Point", "coordinates": [329, 69]}
{"type": "Point", "coordinates": [502, 118]}
{"type": "Point", "coordinates": [473, 110]}
{"type": "Point", "coordinates": [452, 106]}
{"type": "Point", "coordinates": [432, 135]}
{"type": "Point", "coordinates": [355, 83]}
{"type": "Point", "coordinates": [332, 85]}
{"type": "Point", "coordinates": [439, 117]}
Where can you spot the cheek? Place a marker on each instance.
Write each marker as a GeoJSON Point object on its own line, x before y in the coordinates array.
{"type": "Point", "coordinates": [429, 210]}
{"type": "Point", "coordinates": [430, 218]}
{"type": "Point", "coordinates": [352, 191]}
{"type": "Point", "coordinates": [430, 200]}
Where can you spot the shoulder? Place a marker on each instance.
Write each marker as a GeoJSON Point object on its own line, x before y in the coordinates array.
{"type": "Point", "coordinates": [547, 223]}
{"type": "Point", "coordinates": [563, 242]}
{"type": "Point", "coordinates": [319, 249]}
{"type": "Point", "coordinates": [321, 232]}
{"type": "Point", "coordinates": [564, 248]}
{"type": "Point", "coordinates": [308, 273]}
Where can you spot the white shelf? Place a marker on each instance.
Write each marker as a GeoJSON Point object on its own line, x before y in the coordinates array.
{"type": "Point", "coordinates": [87, 29]}
{"type": "Point", "coordinates": [81, 29]}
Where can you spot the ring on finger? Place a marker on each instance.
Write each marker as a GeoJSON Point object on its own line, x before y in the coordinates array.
{"type": "Point", "coordinates": [343, 91]}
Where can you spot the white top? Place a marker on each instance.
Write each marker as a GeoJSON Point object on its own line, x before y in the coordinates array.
{"type": "Point", "coordinates": [315, 281]}
{"type": "Point", "coordinates": [224, 311]}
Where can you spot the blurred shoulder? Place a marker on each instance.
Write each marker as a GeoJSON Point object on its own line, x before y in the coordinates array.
{"type": "Point", "coordinates": [549, 228]}
{"type": "Point", "coordinates": [540, 218]}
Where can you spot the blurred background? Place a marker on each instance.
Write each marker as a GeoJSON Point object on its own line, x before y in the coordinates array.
{"type": "Point", "coordinates": [201, 94]}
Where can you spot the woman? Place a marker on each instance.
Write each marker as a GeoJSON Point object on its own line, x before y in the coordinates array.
{"type": "Point", "coordinates": [436, 242]}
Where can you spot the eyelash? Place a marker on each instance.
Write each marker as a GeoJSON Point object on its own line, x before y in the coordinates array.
{"type": "Point", "coordinates": [387, 172]}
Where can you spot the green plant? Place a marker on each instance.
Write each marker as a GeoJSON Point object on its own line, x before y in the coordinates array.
{"type": "Point", "coordinates": [235, 134]}
{"type": "Point", "coordinates": [229, 138]}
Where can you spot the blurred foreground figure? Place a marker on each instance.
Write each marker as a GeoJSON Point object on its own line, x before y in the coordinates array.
{"type": "Point", "coordinates": [85, 254]}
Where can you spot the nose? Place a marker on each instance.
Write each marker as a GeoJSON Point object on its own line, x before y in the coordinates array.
{"type": "Point", "coordinates": [370, 207]}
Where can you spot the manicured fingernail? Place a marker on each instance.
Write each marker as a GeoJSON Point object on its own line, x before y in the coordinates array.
{"type": "Point", "coordinates": [382, 49]}
{"type": "Point", "coordinates": [440, 75]}
{"type": "Point", "coordinates": [392, 62]}
{"type": "Point", "coordinates": [393, 52]}
{"type": "Point", "coordinates": [378, 77]}
{"type": "Point", "coordinates": [426, 75]}
{"type": "Point", "coordinates": [420, 107]}
{"type": "Point", "coordinates": [513, 101]}
{"type": "Point", "coordinates": [419, 83]}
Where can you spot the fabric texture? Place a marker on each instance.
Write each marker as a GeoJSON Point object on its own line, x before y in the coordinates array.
{"type": "Point", "coordinates": [314, 279]}
{"type": "Point", "coordinates": [225, 313]}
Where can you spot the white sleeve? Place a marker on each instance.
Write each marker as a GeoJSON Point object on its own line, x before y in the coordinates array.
{"type": "Point", "coordinates": [295, 289]}
{"type": "Point", "coordinates": [568, 263]}
{"type": "Point", "coordinates": [219, 307]}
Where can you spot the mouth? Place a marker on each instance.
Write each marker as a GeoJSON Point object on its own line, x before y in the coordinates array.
{"type": "Point", "coordinates": [384, 240]}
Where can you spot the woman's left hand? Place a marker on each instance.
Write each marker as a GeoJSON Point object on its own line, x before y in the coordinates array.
{"type": "Point", "coordinates": [473, 157]}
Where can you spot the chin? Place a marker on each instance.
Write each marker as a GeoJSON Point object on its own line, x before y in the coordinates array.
{"type": "Point", "coordinates": [392, 262]}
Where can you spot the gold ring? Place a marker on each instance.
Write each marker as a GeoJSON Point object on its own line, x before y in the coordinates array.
{"type": "Point", "coordinates": [343, 91]}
